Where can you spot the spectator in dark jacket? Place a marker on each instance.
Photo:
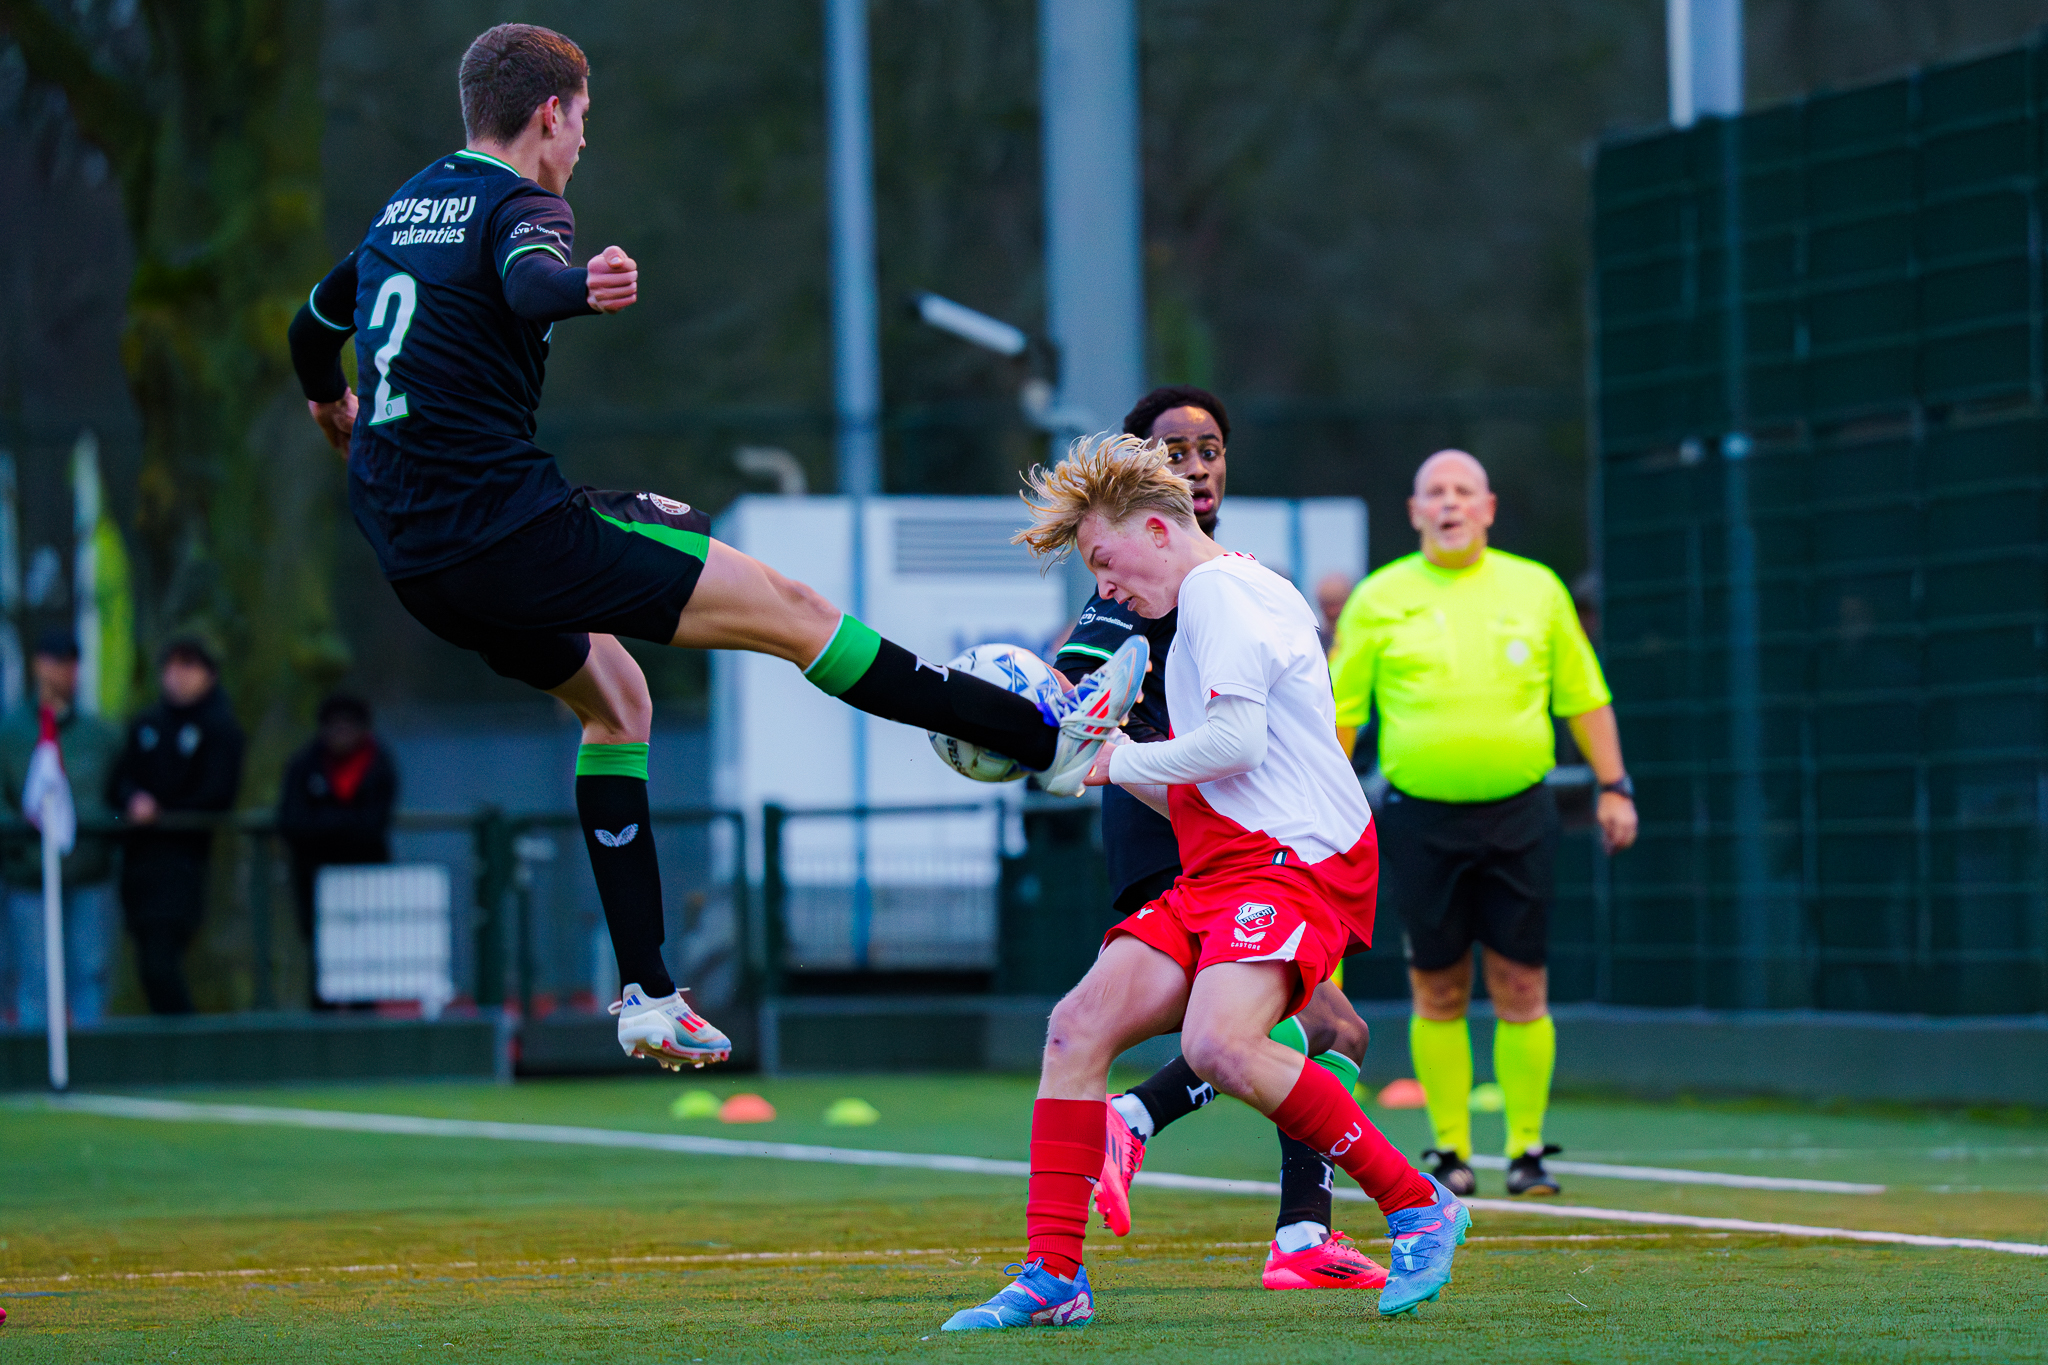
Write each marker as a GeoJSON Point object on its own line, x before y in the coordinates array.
{"type": "Point", "coordinates": [184, 756]}
{"type": "Point", "coordinates": [335, 807]}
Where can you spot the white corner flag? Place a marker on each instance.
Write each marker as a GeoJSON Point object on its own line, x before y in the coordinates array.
{"type": "Point", "coordinates": [46, 802]}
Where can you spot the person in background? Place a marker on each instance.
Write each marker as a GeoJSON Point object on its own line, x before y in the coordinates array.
{"type": "Point", "coordinates": [183, 756]}
{"type": "Point", "coordinates": [89, 747]}
{"type": "Point", "coordinates": [335, 809]}
{"type": "Point", "coordinates": [1465, 653]}
{"type": "Point", "coordinates": [1332, 592]}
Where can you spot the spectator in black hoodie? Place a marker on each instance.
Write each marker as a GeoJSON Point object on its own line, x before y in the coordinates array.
{"type": "Point", "coordinates": [184, 755]}
{"type": "Point", "coordinates": [335, 807]}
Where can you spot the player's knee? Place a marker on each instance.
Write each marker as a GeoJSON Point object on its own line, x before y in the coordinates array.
{"type": "Point", "coordinates": [1075, 1028]}
{"type": "Point", "coordinates": [1443, 995]}
{"type": "Point", "coordinates": [1223, 1060]}
{"type": "Point", "coordinates": [1348, 1035]}
{"type": "Point", "coordinates": [802, 600]}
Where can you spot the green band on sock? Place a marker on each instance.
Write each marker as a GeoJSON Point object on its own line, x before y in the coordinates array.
{"type": "Point", "coordinates": [848, 654]}
{"type": "Point", "coordinates": [1338, 1065]}
{"type": "Point", "coordinates": [1289, 1033]}
{"type": "Point", "coordinates": [612, 760]}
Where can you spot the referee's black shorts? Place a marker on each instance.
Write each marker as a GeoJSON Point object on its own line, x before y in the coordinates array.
{"type": "Point", "coordinates": [1459, 873]}
{"type": "Point", "coordinates": [605, 562]}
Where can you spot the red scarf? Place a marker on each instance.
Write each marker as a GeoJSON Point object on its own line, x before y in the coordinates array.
{"type": "Point", "coordinates": [345, 774]}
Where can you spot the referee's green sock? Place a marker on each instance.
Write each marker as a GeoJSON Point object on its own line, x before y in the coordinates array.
{"type": "Point", "coordinates": [1524, 1055]}
{"type": "Point", "coordinates": [863, 670]}
{"type": "Point", "coordinates": [1442, 1049]}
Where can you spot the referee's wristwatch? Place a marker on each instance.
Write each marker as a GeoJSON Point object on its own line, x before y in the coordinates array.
{"type": "Point", "coordinates": [1620, 786]}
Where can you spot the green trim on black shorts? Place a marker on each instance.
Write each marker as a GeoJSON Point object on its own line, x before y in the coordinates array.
{"type": "Point", "coordinates": [695, 544]}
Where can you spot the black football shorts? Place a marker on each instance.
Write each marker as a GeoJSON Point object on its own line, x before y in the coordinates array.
{"type": "Point", "coordinates": [605, 562]}
{"type": "Point", "coordinates": [1459, 873]}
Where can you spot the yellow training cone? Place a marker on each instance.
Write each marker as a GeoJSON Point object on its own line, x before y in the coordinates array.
{"type": "Point", "coordinates": [1488, 1098]}
{"type": "Point", "coordinates": [851, 1113]}
{"type": "Point", "coordinates": [694, 1104]}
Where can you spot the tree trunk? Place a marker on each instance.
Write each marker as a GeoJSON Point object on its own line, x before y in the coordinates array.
{"type": "Point", "coordinates": [215, 135]}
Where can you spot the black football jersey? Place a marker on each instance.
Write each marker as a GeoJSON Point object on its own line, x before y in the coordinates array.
{"type": "Point", "coordinates": [442, 463]}
{"type": "Point", "coordinates": [1137, 842]}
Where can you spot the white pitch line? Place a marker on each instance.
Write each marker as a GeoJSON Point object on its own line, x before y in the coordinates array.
{"type": "Point", "coordinates": [406, 1125]}
{"type": "Point", "coordinates": [1911, 1239]}
{"type": "Point", "coordinates": [1668, 1175]}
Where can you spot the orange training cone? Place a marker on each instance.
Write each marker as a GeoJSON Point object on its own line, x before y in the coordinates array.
{"type": "Point", "coordinates": [745, 1108]}
{"type": "Point", "coordinates": [1403, 1094]}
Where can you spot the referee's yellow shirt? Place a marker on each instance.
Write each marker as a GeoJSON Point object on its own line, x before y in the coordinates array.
{"type": "Point", "coordinates": [1466, 667]}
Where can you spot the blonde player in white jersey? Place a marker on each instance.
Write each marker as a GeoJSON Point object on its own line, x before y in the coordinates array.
{"type": "Point", "coordinates": [1279, 868]}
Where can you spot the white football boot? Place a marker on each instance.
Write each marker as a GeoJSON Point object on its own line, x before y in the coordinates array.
{"type": "Point", "coordinates": [1091, 712]}
{"type": "Point", "coordinates": [667, 1030]}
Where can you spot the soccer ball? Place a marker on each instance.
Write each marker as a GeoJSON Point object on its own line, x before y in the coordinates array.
{"type": "Point", "coordinates": [1014, 669]}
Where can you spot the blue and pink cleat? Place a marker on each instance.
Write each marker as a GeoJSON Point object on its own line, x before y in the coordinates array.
{"type": "Point", "coordinates": [1035, 1298]}
{"type": "Point", "coordinates": [1425, 1240]}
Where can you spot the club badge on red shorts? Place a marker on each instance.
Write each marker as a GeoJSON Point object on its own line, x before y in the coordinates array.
{"type": "Point", "coordinates": [1252, 917]}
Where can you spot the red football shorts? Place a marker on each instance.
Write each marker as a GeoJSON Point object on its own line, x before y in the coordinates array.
{"type": "Point", "coordinates": [1309, 917]}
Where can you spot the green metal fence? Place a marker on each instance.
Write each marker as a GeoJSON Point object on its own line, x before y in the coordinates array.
{"type": "Point", "coordinates": [1823, 477]}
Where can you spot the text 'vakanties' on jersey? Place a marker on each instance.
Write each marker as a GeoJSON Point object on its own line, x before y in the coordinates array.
{"type": "Point", "coordinates": [443, 464]}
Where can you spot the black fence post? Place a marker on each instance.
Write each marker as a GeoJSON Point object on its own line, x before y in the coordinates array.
{"type": "Point", "coordinates": [774, 900]}
{"type": "Point", "coordinates": [495, 868]}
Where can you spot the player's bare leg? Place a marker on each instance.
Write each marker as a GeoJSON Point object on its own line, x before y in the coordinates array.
{"type": "Point", "coordinates": [1133, 992]}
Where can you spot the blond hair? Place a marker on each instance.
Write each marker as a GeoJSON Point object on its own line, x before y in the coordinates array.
{"type": "Point", "coordinates": [1114, 476]}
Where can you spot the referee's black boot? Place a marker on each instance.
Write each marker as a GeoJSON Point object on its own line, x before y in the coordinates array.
{"type": "Point", "coordinates": [1451, 1172]}
{"type": "Point", "coordinates": [1526, 1174]}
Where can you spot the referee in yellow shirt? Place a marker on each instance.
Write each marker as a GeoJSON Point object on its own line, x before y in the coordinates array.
{"type": "Point", "coordinates": [1466, 653]}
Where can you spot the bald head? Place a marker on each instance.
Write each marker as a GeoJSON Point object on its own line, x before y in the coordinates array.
{"type": "Point", "coordinates": [1452, 508]}
{"type": "Point", "coordinates": [1463, 461]}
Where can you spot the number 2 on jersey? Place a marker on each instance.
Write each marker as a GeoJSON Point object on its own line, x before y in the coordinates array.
{"type": "Point", "coordinates": [390, 406]}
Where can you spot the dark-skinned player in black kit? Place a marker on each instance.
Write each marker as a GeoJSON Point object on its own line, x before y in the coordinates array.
{"type": "Point", "coordinates": [452, 296]}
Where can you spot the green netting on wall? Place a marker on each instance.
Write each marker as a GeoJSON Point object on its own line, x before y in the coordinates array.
{"type": "Point", "coordinates": [1823, 464]}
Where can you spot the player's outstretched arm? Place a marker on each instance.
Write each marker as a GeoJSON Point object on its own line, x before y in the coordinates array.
{"type": "Point", "coordinates": [614, 280]}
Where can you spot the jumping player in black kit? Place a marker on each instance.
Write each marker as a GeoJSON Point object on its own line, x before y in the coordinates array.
{"type": "Point", "coordinates": [1144, 859]}
{"type": "Point", "coordinates": [453, 295]}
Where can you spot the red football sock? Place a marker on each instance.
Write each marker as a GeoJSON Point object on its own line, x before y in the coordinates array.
{"type": "Point", "coordinates": [1320, 1112]}
{"type": "Point", "coordinates": [1067, 1146]}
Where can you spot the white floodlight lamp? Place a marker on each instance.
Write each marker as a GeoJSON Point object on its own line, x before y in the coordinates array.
{"type": "Point", "coordinates": [989, 333]}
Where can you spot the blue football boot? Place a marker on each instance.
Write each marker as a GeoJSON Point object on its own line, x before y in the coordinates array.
{"type": "Point", "coordinates": [1424, 1240]}
{"type": "Point", "coordinates": [1035, 1298]}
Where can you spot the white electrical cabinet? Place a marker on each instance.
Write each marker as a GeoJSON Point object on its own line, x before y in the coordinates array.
{"type": "Point", "coordinates": [935, 575]}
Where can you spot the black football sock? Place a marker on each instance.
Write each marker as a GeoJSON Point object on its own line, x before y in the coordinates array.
{"type": "Point", "coordinates": [1173, 1092]}
{"type": "Point", "coordinates": [863, 670]}
{"type": "Point", "coordinates": [1305, 1179]}
{"type": "Point", "coordinates": [611, 800]}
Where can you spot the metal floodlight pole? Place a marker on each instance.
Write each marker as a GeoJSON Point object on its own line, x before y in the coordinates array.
{"type": "Point", "coordinates": [1095, 305]}
{"type": "Point", "coordinates": [856, 367]}
{"type": "Point", "coordinates": [1703, 54]}
{"type": "Point", "coordinates": [856, 364]}
{"type": "Point", "coordinates": [1095, 289]}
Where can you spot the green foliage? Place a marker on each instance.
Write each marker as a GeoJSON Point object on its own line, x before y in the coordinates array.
{"type": "Point", "coordinates": [209, 112]}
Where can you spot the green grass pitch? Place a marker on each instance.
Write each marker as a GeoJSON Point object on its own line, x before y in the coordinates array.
{"type": "Point", "coordinates": [133, 1240]}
